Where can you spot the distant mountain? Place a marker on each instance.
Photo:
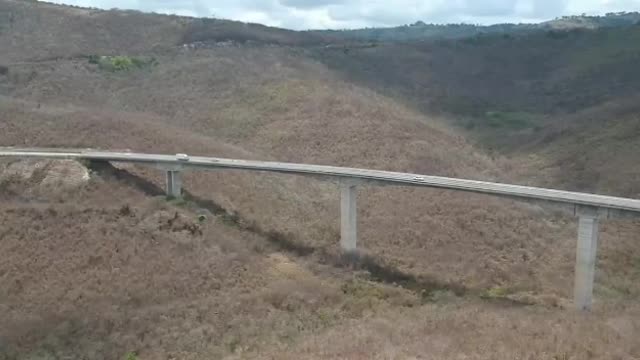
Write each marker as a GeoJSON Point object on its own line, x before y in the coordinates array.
{"type": "Point", "coordinates": [539, 72]}
{"type": "Point", "coordinates": [421, 30]}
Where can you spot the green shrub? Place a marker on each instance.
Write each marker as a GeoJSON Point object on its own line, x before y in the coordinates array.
{"type": "Point", "coordinates": [94, 59]}
{"type": "Point", "coordinates": [131, 356]}
{"type": "Point", "coordinates": [496, 292]}
{"type": "Point", "coordinates": [122, 63]}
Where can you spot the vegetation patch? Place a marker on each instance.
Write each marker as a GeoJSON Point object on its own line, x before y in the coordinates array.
{"type": "Point", "coordinates": [131, 356]}
{"type": "Point", "coordinates": [606, 47]}
{"type": "Point", "coordinates": [496, 292]}
{"type": "Point", "coordinates": [363, 296]}
{"type": "Point", "coordinates": [440, 296]}
{"type": "Point", "coordinates": [121, 63]}
{"type": "Point", "coordinates": [364, 289]}
{"type": "Point", "coordinates": [421, 30]}
{"type": "Point", "coordinates": [514, 120]}
{"type": "Point", "coordinates": [512, 296]}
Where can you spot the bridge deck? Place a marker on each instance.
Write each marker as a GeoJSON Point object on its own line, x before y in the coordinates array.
{"type": "Point", "coordinates": [407, 179]}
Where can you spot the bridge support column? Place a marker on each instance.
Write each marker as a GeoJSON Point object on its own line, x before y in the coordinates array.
{"type": "Point", "coordinates": [174, 184]}
{"type": "Point", "coordinates": [585, 261]}
{"type": "Point", "coordinates": [348, 217]}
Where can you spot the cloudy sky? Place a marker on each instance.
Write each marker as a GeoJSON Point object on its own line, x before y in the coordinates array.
{"type": "Point", "coordinates": [338, 14]}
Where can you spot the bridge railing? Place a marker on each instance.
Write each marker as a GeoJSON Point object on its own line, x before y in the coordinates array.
{"type": "Point", "coordinates": [589, 208]}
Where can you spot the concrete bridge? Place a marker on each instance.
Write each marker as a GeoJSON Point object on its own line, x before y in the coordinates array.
{"type": "Point", "coordinates": [588, 208]}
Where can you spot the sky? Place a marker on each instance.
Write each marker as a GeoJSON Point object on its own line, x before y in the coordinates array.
{"type": "Point", "coordinates": [349, 14]}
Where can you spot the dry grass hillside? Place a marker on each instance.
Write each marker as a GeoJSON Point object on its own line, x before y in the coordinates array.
{"type": "Point", "coordinates": [261, 276]}
{"type": "Point", "coordinates": [93, 31]}
{"type": "Point", "coordinates": [420, 31]}
{"type": "Point", "coordinates": [270, 100]}
{"type": "Point", "coordinates": [537, 73]}
{"type": "Point", "coordinates": [87, 31]}
{"type": "Point", "coordinates": [570, 92]}
{"type": "Point", "coordinates": [104, 268]}
{"type": "Point", "coordinates": [592, 150]}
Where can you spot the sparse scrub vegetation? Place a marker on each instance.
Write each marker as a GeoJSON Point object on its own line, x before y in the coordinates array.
{"type": "Point", "coordinates": [216, 30]}
{"type": "Point", "coordinates": [364, 296]}
{"type": "Point", "coordinates": [496, 292]}
{"type": "Point", "coordinates": [491, 73]}
{"type": "Point", "coordinates": [121, 63]}
{"type": "Point", "coordinates": [421, 31]}
{"type": "Point", "coordinates": [112, 265]}
{"type": "Point", "coordinates": [306, 293]}
{"type": "Point", "coordinates": [509, 120]}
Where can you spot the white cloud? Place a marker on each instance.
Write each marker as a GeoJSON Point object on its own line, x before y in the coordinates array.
{"type": "Point", "coordinates": [315, 14]}
{"type": "Point", "coordinates": [602, 6]}
{"type": "Point", "coordinates": [174, 11]}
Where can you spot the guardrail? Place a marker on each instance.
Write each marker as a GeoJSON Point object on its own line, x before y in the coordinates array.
{"type": "Point", "coordinates": [589, 208]}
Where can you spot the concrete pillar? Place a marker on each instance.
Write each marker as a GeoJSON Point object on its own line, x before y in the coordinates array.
{"type": "Point", "coordinates": [585, 261]}
{"type": "Point", "coordinates": [174, 184]}
{"type": "Point", "coordinates": [348, 217]}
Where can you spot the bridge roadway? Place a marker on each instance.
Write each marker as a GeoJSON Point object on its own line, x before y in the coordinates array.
{"type": "Point", "coordinates": [589, 208]}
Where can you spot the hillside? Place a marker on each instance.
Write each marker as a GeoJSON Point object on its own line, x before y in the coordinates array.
{"type": "Point", "coordinates": [508, 93]}
{"type": "Point", "coordinates": [592, 150]}
{"type": "Point", "coordinates": [422, 31]}
{"type": "Point", "coordinates": [94, 31]}
{"type": "Point", "coordinates": [279, 220]}
{"type": "Point", "coordinates": [536, 73]}
{"type": "Point", "coordinates": [105, 266]}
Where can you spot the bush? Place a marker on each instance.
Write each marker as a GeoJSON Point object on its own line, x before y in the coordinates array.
{"type": "Point", "coordinates": [94, 59]}
{"type": "Point", "coordinates": [121, 63]}
{"type": "Point", "coordinates": [4, 70]}
{"type": "Point", "coordinates": [131, 356]}
{"type": "Point", "coordinates": [496, 292]}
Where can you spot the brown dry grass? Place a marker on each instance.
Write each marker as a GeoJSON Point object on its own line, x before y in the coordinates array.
{"type": "Point", "coordinates": [98, 32]}
{"type": "Point", "coordinates": [88, 32]}
{"type": "Point", "coordinates": [594, 150]}
{"type": "Point", "coordinates": [103, 269]}
{"type": "Point", "coordinates": [470, 241]}
{"type": "Point", "coordinates": [468, 330]}
{"type": "Point", "coordinates": [264, 278]}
